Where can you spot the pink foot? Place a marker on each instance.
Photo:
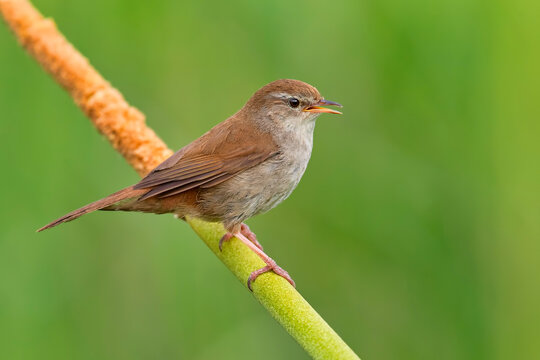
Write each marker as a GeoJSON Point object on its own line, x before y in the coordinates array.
{"type": "Point", "coordinates": [270, 263]}
{"type": "Point", "coordinates": [244, 230]}
{"type": "Point", "coordinates": [271, 266]}
{"type": "Point", "coordinates": [228, 236]}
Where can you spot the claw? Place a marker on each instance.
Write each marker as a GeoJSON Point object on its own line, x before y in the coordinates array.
{"type": "Point", "coordinates": [224, 238]}
{"type": "Point", "coordinates": [271, 266]}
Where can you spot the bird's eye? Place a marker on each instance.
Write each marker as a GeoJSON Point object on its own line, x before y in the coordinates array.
{"type": "Point", "coordinates": [294, 102]}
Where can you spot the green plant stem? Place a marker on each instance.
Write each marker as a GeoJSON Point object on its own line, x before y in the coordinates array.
{"type": "Point", "coordinates": [283, 302]}
{"type": "Point", "coordinates": [125, 129]}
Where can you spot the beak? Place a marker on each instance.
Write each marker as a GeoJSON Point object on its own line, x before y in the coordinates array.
{"type": "Point", "coordinates": [319, 109]}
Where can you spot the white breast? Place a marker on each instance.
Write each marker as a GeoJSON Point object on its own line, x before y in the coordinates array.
{"type": "Point", "coordinates": [264, 186]}
{"type": "Point", "coordinates": [283, 173]}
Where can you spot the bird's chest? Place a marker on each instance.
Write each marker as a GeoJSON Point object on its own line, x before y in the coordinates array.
{"type": "Point", "coordinates": [279, 176]}
{"type": "Point", "coordinates": [282, 176]}
{"type": "Point", "coordinates": [262, 187]}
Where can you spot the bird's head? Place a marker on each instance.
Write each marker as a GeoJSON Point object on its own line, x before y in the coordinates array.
{"type": "Point", "coordinates": [289, 103]}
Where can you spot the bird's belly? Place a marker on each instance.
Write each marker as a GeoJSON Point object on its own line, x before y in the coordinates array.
{"type": "Point", "coordinates": [253, 191]}
{"type": "Point", "coordinates": [275, 187]}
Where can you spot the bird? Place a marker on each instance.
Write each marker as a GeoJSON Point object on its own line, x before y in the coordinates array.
{"type": "Point", "coordinates": [242, 167]}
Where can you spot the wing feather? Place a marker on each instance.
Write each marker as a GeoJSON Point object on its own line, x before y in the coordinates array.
{"type": "Point", "coordinates": [227, 149]}
{"type": "Point", "coordinates": [204, 171]}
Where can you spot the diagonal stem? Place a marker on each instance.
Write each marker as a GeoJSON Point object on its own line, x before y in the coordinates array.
{"type": "Point", "coordinates": [124, 126]}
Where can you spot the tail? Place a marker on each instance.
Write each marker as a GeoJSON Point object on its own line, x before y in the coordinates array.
{"type": "Point", "coordinates": [126, 193]}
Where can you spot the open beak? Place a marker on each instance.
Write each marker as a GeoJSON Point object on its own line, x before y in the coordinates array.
{"type": "Point", "coordinates": [319, 109]}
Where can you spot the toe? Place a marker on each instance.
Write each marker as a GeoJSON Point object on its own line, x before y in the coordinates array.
{"type": "Point", "coordinates": [255, 274]}
{"type": "Point", "coordinates": [223, 239]}
{"type": "Point", "coordinates": [271, 267]}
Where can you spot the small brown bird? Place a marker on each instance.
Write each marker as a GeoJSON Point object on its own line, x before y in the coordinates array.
{"type": "Point", "coordinates": [242, 167]}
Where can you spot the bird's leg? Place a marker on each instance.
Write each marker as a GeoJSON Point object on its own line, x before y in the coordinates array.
{"type": "Point", "coordinates": [248, 237]}
{"type": "Point", "coordinates": [270, 263]}
{"type": "Point", "coordinates": [244, 230]}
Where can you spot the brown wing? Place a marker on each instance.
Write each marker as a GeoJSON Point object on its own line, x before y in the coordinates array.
{"type": "Point", "coordinates": [213, 158]}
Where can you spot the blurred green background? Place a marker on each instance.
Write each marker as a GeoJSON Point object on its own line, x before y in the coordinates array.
{"type": "Point", "coordinates": [415, 231]}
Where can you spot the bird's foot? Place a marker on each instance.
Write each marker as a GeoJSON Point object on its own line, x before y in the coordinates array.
{"type": "Point", "coordinates": [270, 263]}
{"type": "Point", "coordinates": [244, 230]}
{"type": "Point", "coordinates": [228, 236]}
{"type": "Point", "coordinates": [270, 266]}
{"type": "Point", "coordinates": [248, 237]}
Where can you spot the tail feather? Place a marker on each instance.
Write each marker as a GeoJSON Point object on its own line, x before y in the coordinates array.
{"type": "Point", "coordinates": [96, 205]}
